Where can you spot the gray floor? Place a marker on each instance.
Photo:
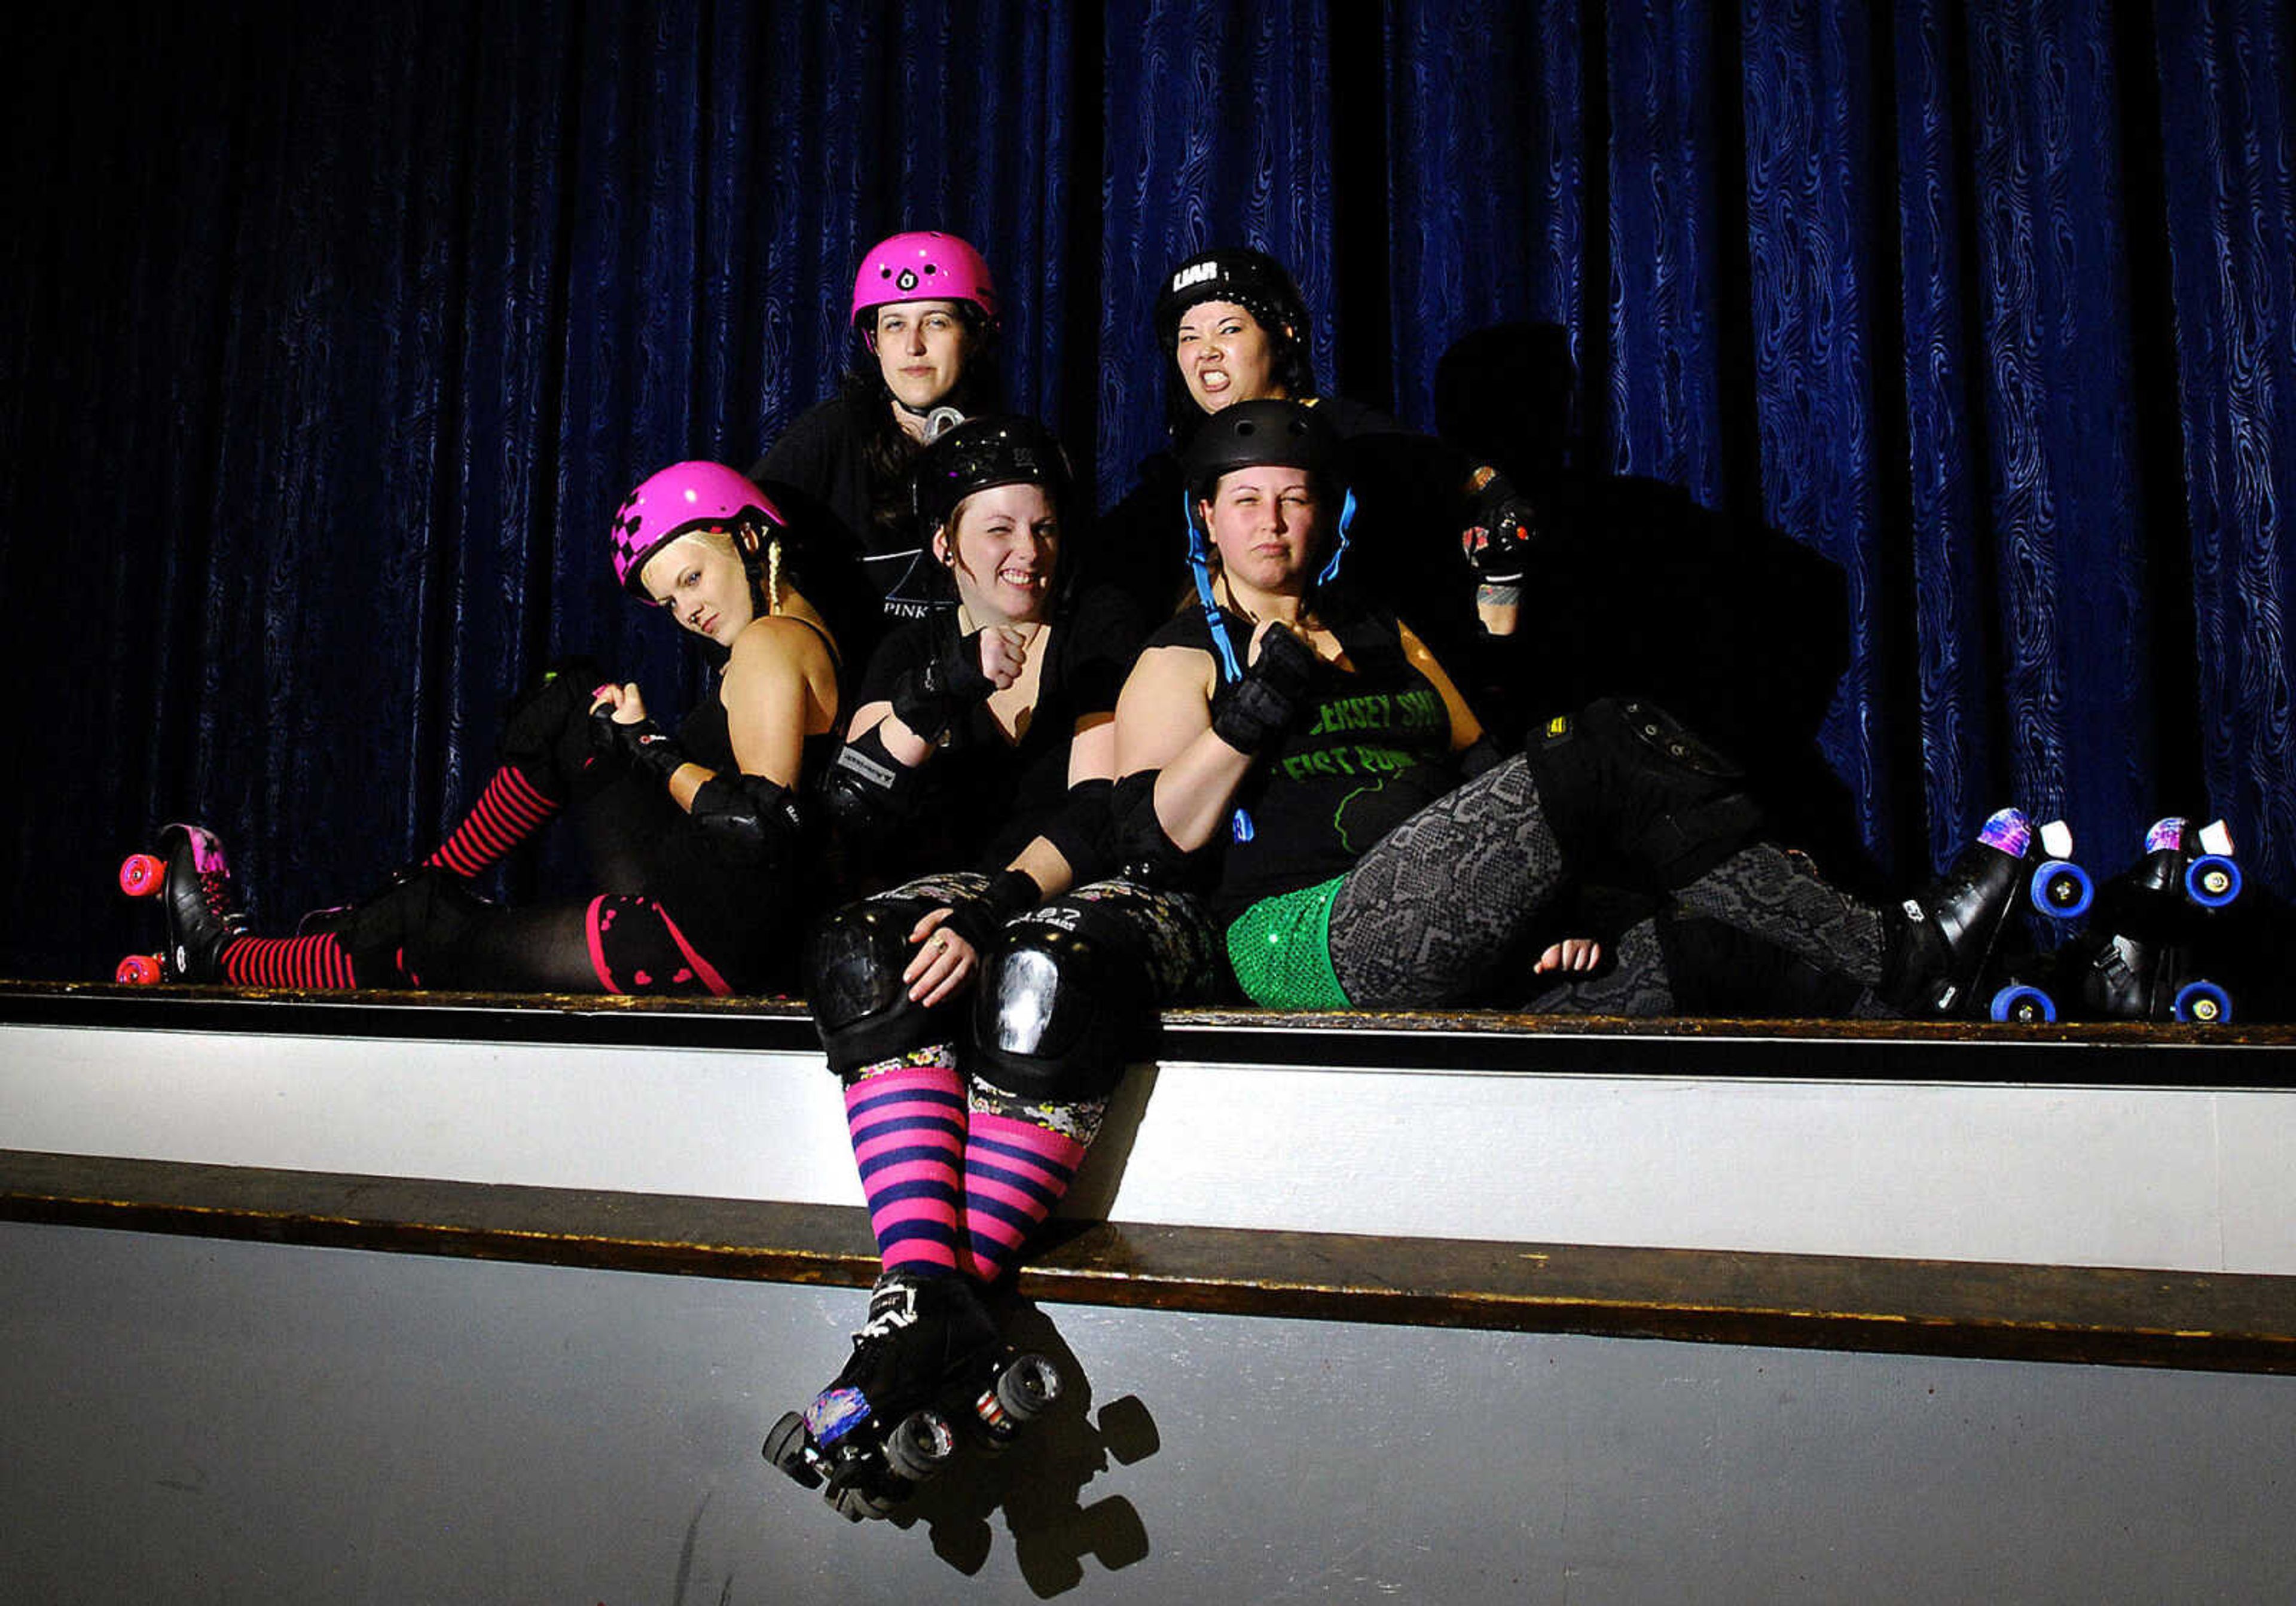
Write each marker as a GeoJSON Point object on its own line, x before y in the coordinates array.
{"type": "Point", "coordinates": [190, 1421]}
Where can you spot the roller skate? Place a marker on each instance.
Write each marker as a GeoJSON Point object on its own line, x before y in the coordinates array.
{"type": "Point", "coordinates": [199, 899]}
{"type": "Point", "coordinates": [2140, 962]}
{"type": "Point", "coordinates": [1945, 941]}
{"type": "Point", "coordinates": [928, 1358]}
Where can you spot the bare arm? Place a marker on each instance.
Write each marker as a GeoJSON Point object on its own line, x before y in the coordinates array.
{"type": "Point", "coordinates": [1466, 730]}
{"type": "Point", "coordinates": [1164, 723]}
{"type": "Point", "coordinates": [768, 698]}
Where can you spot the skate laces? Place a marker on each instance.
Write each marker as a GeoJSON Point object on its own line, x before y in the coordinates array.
{"type": "Point", "coordinates": [216, 891]}
{"type": "Point", "coordinates": [884, 1323]}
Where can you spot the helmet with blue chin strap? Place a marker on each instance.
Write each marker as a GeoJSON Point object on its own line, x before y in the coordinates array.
{"type": "Point", "coordinates": [1260, 434]}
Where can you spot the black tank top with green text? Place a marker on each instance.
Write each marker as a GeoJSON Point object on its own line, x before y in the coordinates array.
{"type": "Point", "coordinates": [1369, 747]}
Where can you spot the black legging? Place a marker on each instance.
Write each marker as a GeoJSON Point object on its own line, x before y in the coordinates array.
{"type": "Point", "coordinates": [1438, 908]}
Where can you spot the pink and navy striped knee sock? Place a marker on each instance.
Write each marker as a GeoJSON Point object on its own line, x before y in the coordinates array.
{"type": "Point", "coordinates": [509, 811]}
{"type": "Point", "coordinates": [1015, 1171]}
{"type": "Point", "coordinates": [908, 1120]}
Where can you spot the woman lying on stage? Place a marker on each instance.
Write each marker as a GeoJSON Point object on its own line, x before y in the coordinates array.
{"type": "Point", "coordinates": [983, 738]}
{"type": "Point", "coordinates": [702, 857]}
{"type": "Point", "coordinates": [1368, 846]}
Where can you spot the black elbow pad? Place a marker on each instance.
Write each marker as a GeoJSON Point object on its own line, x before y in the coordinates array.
{"type": "Point", "coordinates": [751, 817]}
{"type": "Point", "coordinates": [1145, 849]}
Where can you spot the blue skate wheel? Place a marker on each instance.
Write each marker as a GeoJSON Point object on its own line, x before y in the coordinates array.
{"type": "Point", "coordinates": [2061, 889]}
{"type": "Point", "coordinates": [2213, 881]}
{"type": "Point", "coordinates": [2023, 1005]}
{"type": "Point", "coordinates": [2203, 1003]}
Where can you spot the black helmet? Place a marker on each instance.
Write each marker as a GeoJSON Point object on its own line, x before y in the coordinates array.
{"type": "Point", "coordinates": [1250, 279]}
{"type": "Point", "coordinates": [1253, 434]}
{"type": "Point", "coordinates": [982, 452]}
{"type": "Point", "coordinates": [1257, 434]}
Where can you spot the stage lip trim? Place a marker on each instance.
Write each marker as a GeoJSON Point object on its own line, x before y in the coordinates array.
{"type": "Point", "coordinates": [1479, 1041]}
{"type": "Point", "coordinates": [2128, 1316]}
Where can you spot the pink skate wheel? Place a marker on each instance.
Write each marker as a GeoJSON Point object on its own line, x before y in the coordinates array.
{"type": "Point", "coordinates": [138, 969]}
{"type": "Point", "coordinates": [141, 874]}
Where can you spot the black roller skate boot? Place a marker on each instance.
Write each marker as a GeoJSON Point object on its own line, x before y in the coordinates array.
{"type": "Point", "coordinates": [880, 1429]}
{"type": "Point", "coordinates": [2141, 961]}
{"type": "Point", "coordinates": [200, 903]}
{"type": "Point", "coordinates": [1942, 941]}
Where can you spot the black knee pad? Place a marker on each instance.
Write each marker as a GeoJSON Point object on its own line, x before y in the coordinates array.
{"type": "Point", "coordinates": [1060, 1011]}
{"type": "Point", "coordinates": [862, 1008]}
{"type": "Point", "coordinates": [1636, 798]}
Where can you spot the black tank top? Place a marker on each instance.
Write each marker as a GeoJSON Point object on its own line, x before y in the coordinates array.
{"type": "Point", "coordinates": [708, 740]}
{"type": "Point", "coordinates": [1368, 749]}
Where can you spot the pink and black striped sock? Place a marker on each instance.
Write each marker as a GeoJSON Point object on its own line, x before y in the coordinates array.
{"type": "Point", "coordinates": [907, 1121]}
{"type": "Point", "coordinates": [509, 811]}
{"type": "Point", "coordinates": [1015, 1171]}
{"type": "Point", "coordinates": [312, 961]}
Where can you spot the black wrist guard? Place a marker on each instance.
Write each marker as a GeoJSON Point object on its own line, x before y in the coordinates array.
{"type": "Point", "coordinates": [644, 745]}
{"type": "Point", "coordinates": [929, 698]}
{"type": "Point", "coordinates": [1250, 713]}
{"type": "Point", "coordinates": [978, 920]}
{"type": "Point", "coordinates": [1501, 529]}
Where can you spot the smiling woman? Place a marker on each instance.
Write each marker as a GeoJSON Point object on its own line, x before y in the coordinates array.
{"type": "Point", "coordinates": [703, 857]}
{"type": "Point", "coordinates": [982, 750]}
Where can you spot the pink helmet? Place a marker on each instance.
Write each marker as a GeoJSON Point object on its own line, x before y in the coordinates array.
{"type": "Point", "coordinates": [684, 496]}
{"type": "Point", "coordinates": [924, 267]}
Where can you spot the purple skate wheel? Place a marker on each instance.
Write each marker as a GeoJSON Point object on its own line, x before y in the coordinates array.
{"type": "Point", "coordinates": [141, 874]}
{"type": "Point", "coordinates": [2203, 1003]}
{"type": "Point", "coordinates": [2213, 881]}
{"type": "Point", "coordinates": [2061, 889]}
{"type": "Point", "coordinates": [2023, 1005]}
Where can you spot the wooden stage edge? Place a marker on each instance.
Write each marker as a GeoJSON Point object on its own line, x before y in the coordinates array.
{"type": "Point", "coordinates": [2234, 1055]}
{"type": "Point", "coordinates": [2090, 1315]}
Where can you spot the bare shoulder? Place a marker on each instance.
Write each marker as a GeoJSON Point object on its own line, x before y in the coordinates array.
{"type": "Point", "coordinates": [1163, 671]}
{"type": "Point", "coordinates": [778, 644]}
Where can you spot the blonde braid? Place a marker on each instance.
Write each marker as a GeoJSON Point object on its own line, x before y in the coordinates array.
{"type": "Point", "coordinates": [773, 575]}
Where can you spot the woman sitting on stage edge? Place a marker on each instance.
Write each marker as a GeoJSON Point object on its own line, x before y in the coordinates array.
{"type": "Point", "coordinates": [983, 737]}
{"type": "Point", "coordinates": [1368, 846]}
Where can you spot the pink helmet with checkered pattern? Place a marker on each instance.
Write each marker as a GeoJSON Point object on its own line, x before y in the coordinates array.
{"type": "Point", "coordinates": [684, 496]}
{"type": "Point", "coordinates": [922, 266]}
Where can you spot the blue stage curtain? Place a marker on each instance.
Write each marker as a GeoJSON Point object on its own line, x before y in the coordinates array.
{"type": "Point", "coordinates": [332, 339]}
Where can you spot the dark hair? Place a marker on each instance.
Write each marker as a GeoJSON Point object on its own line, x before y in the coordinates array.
{"type": "Point", "coordinates": [887, 450]}
{"type": "Point", "coordinates": [1293, 370]}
